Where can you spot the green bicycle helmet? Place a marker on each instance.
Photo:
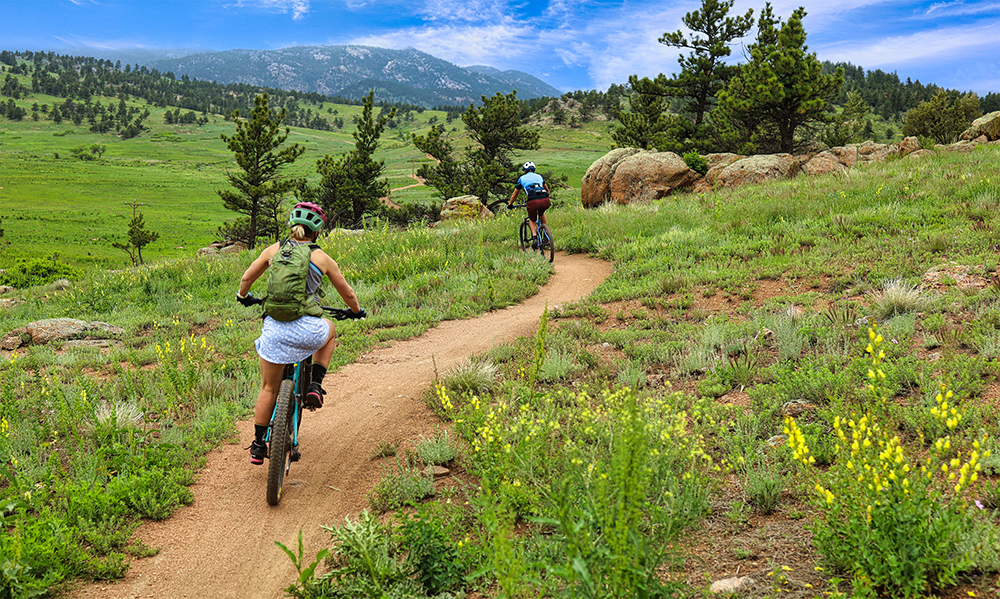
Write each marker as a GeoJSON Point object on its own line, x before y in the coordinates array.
{"type": "Point", "coordinates": [308, 214]}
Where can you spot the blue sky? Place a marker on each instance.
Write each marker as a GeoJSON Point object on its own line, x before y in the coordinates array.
{"type": "Point", "coordinates": [587, 44]}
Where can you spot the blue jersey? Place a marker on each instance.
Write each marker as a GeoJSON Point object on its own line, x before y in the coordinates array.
{"type": "Point", "coordinates": [533, 184]}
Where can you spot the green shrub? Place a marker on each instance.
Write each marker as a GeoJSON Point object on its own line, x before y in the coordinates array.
{"type": "Point", "coordinates": [399, 486]}
{"type": "Point", "coordinates": [695, 162]}
{"type": "Point", "coordinates": [431, 556]}
{"type": "Point", "coordinates": [438, 449]}
{"type": "Point", "coordinates": [38, 271]}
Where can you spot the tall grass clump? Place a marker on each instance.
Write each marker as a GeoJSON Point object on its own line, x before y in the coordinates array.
{"type": "Point", "coordinates": [897, 298]}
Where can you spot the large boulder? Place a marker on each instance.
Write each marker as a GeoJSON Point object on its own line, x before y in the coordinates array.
{"type": "Point", "coordinates": [987, 125]}
{"type": "Point", "coordinates": [595, 188]}
{"type": "Point", "coordinates": [648, 176]}
{"type": "Point", "coordinates": [57, 329]}
{"type": "Point", "coordinates": [467, 207]}
{"type": "Point", "coordinates": [715, 162]}
{"type": "Point", "coordinates": [757, 169]}
{"type": "Point", "coordinates": [823, 163]}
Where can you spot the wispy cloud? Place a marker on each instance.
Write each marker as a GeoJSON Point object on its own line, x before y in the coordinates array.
{"type": "Point", "coordinates": [940, 10]}
{"type": "Point", "coordinates": [938, 44]}
{"type": "Point", "coordinates": [298, 8]}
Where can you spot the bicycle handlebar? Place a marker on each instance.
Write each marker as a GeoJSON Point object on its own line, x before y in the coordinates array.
{"type": "Point", "coordinates": [345, 313]}
{"type": "Point", "coordinates": [336, 313]}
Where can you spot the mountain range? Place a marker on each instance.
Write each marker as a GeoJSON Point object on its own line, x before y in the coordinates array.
{"type": "Point", "coordinates": [403, 76]}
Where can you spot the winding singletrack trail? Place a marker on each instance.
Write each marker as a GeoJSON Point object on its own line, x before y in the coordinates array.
{"type": "Point", "coordinates": [222, 545]}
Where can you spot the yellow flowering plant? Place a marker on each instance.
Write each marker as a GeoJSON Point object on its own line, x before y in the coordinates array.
{"type": "Point", "coordinates": [891, 518]}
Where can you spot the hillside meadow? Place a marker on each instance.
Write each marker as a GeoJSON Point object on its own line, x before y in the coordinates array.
{"type": "Point", "coordinates": [795, 382]}
{"type": "Point", "coordinates": [79, 208]}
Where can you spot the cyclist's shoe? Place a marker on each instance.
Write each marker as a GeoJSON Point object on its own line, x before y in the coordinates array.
{"type": "Point", "coordinates": [258, 451]}
{"type": "Point", "coordinates": [534, 243]}
{"type": "Point", "coordinates": [314, 397]}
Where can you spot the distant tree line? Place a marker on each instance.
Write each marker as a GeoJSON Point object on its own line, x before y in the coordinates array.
{"type": "Point", "coordinates": [81, 78]}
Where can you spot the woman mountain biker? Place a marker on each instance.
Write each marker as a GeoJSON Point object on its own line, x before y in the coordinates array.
{"type": "Point", "coordinates": [288, 342]}
{"type": "Point", "coordinates": [537, 191]}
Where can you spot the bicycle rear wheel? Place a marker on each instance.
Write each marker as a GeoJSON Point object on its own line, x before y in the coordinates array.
{"type": "Point", "coordinates": [280, 452]}
{"type": "Point", "coordinates": [545, 243]}
{"type": "Point", "coordinates": [524, 236]}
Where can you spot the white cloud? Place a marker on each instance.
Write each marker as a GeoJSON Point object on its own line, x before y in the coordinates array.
{"type": "Point", "coordinates": [936, 44]}
{"type": "Point", "coordinates": [942, 10]}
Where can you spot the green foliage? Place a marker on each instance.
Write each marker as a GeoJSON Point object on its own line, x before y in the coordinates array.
{"type": "Point", "coordinates": [696, 162]}
{"type": "Point", "coordinates": [432, 556]}
{"type": "Point", "coordinates": [259, 187]}
{"type": "Point", "coordinates": [495, 128]}
{"type": "Point", "coordinates": [365, 562]}
{"type": "Point", "coordinates": [39, 271]}
{"type": "Point", "coordinates": [351, 184]}
{"type": "Point", "coordinates": [138, 238]}
{"type": "Point", "coordinates": [703, 73]}
{"type": "Point", "coordinates": [890, 519]}
{"type": "Point", "coordinates": [471, 376]}
{"type": "Point", "coordinates": [942, 118]}
{"type": "Point", "coordinates": [780, 90]}
{"type": "Point", "coordinates": [301, 587]}
{"type": "Point", "coordinates": [439, 449]}
{"type": "Point", "coordinates": [399, 486]}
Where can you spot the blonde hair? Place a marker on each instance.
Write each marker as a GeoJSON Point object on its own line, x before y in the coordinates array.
{"type": "Point", "coordinates": [303, 233]}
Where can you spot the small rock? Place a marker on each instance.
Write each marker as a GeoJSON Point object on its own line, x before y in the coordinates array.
{"type": "Point", "coordinates": [735, 584]}
{"type": "Point", "coordinates": [438, 471]}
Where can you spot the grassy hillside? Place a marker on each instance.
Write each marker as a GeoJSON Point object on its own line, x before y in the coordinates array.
{"type": "Point", "coordinates": [79, 208]}
{"type": "Point", "coordinates": [794, 381]}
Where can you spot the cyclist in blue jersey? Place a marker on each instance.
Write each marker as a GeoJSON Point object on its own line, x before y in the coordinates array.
{"type": "Point", "coordinates": [537, 191]}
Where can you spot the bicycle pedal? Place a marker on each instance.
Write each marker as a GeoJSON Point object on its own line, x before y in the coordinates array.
{"type": "Point", "coordinates": [295, 456]}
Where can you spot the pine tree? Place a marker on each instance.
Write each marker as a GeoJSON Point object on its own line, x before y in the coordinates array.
{"type": "Point", "coordinates": [351, 186]}
{"type": "Point", "coordinates": [781, 90]}
{"type": "Point", "coordinates": [703, 73]}
{"type": "Point", "coordinates": [259, 186]}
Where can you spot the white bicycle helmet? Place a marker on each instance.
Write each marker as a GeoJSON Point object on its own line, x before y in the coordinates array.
{"type": "Point", "coordinates": [528, 167]}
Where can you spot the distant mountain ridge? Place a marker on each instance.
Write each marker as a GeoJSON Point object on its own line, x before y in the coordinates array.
{"type": "Point", "coordinates": [349, 71]}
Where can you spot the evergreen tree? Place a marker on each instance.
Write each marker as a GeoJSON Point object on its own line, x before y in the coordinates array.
{"type": "Point", "coordinates": [351, 186]}
{"type": "Point", "coordinates": [496, 127]}
{"type": "Point", "coordinates": [703, 73]}
{"type": "Point", "coordinates": [259, 183]}
{"type": "Point", "coordinates": [781, 90]}
{"type": "Point", "coordinates": [942, 119]}
{"type": "Point", "coordinates": [487, 168]}
{"type": "Point", "coordinates": [138, 237]}
{"type": "Point", "coordinates": [648, 124]}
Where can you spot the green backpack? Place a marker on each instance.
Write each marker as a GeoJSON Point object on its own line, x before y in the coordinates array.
{"type": "Point", "coordinates": [288, 275]}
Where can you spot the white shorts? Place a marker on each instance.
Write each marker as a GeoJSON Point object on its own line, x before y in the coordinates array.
{"type": "Point", "coordinates": [290, 342]}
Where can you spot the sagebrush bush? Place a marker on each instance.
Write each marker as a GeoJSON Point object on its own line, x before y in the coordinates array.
{"type": "Point", "coordinates": [471, 376]}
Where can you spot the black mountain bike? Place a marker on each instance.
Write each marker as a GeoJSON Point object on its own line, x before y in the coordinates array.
{"type": "Point", "coordinates": [543, 245]}
{"type": "Point", "coordinates": [282, 435]}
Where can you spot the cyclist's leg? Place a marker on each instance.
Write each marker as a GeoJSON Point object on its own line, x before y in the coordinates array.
{"type": "Point", "coordinates": [270, 375]}
{"type": "Point", "coordinates": [321, 361]}
{"type": "Point", "coordinates": [532, 207]}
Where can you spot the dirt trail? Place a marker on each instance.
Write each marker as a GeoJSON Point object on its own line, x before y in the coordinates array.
{"type": "Point", "coordinates": [222, 546]}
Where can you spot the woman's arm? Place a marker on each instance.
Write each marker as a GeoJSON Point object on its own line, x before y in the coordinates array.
{"type": "Point", "coordinates": [332, 272]}
{"type": "Point", "coordinates": [256, 269]}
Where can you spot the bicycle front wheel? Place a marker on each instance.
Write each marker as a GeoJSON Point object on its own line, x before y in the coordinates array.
{"type": "Point", "coordinates": [280, 452]}
{"type": "Point", "coordinates": [545, 243]}
{"type": "Point", "coordinates": [524, 236]}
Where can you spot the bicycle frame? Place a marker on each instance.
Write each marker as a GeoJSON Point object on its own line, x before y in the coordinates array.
{"type": "Point", "coordinates": [292, 371]}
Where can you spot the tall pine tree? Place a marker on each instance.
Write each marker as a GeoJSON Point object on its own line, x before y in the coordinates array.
{"type": "Point", "coordinates": [781, 90]}
{"type": "Point", "coordinates": [259, 187]}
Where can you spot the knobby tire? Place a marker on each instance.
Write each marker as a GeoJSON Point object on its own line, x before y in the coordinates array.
{"type": "Point", "coordinates": [549, 246]}
{"type": "Point", "coordinates": [524, 236]}
{"type": "Point", "coordinates": [280, 452]}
